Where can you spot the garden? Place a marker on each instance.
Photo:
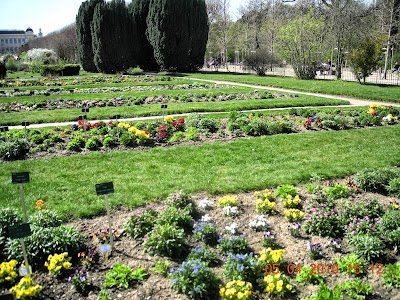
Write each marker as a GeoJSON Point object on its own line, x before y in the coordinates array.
{"type": "Point", "coordinates": [243, 202]}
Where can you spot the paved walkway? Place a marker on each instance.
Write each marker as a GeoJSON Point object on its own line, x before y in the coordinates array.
{"type": "Point", "coordinates": [352, 101]}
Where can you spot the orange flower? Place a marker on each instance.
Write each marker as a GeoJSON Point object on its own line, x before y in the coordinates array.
{"type": "Point", "coordinates": [39, 204]}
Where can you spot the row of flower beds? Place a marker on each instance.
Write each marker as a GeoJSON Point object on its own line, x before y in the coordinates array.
{"type": "Point", "coordinates": [209, 96]}
{"type": "Point", "coordinates": [99, 90]}
{"type": "Point", "coordinates": [100, 135]}
{"type": "Point", "coordinates": [10, 83]}
{"type": "Point", "coordinates": [276, 243]}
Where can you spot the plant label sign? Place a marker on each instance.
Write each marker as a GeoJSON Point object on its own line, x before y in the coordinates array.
{"type": "Point", "coordinates": [7, 297]}
{"type": "Point", "coordinates": [3, 129]}
{"type": "Point", "coordinates": [164, 106]}
{"type": "Point", "coordinates": [116, 117]}
{"type": "Point", "coordinates": [19, 231]}
{"type": "Point", "coordinates": [105, 248]}
{"type": "Point", "coordinates": [82, 117]}
{"type": "Point", "coordinates": [25, 124]}
{"type": "Point", "coordinates": [20, 177]}
{"type": "Point", "coordinates": [85, 110]}
{"type": "Point", "coordinates": [22, 271]}
{"type": "Point", "coordinates": [104, 188]}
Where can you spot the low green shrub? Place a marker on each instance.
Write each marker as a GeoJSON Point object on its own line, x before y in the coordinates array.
{"type": "Point", "coordinates": [375, 180]}
{"type": "Point", "coordinates": [8, 217]}
{"type": "Point", "coordinates": [93, 143]}
{"type": "Point", "coordinates": [177, 216]}
{"type": "Point", "coordinates": [286, 189]}
{"type": "Point", "coordinates": [351, 264]}
{"type": "Point", "coordinates": [368, 247]}
{"type": "Point", "coordinates": [166, 240]}
{"type": "Point", "coordinates": [76, 144]}
{"type": "Point", "coordinates": [393, 187]}
{"type": "Point", "coordinates": [109, 142]}
{"type": "Point", "coordinates": [141, 223]}
{"type": "Point", "coordinates": [45, 218]}
{"type": "Point", "coordinates": [337, 191]}
{"type": "Point", "coordinates": [15, 149]}
{"type": "Point", "coordinates": [307, 275]}
{"type": "Point", "coordinates": [233, 244]}
{"type": "Point", "coordinates": [205, 232]}
{"type": "Point", "coordinates": [244, 267]}
{"type": "Point", "coordinates": [122, 277]}
{"type": "Point", "coordinates": [60, 70]}
{"type": "Point", "coordinates": [391, 275]}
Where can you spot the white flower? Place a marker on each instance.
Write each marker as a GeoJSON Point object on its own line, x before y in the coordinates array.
{"type": "Point", "coordinates": [205, 203]}
{"type": "Point", "coordinates": [206, 218]}
{"type": "Point", "coordinates": [232, 229]}
{"type": "Point", "coordinates": [260, 223]}
{"type": "Point", "coordinates": [231, 211]}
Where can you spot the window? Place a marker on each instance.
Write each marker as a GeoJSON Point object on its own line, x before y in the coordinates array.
{"type": "Point", "coordinates": [11, 41]}
{"type": "Point", "coordinates": [6, 41]}
{"type": "Point", "coordinates": [19, 41]}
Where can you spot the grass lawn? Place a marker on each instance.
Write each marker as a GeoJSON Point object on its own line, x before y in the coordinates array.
{"type": "Point", "coordinates": [386, 93]}
{"type": "Point", "coordinates": [63, 115]}
{"type": "Point", "coordinates": [67, 183]}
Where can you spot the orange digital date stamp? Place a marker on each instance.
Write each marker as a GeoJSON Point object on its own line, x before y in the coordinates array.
{"type": "Point", "coordinates": [320, 268]}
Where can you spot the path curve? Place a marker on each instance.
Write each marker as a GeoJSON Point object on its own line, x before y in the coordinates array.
{"type": "Point", "coordinates": [352, 101]}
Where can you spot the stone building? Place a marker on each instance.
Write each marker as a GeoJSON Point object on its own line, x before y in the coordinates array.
{"type": "Point", "coordinates": [12, 40]}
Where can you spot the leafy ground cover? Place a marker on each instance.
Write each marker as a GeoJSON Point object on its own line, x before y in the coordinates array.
{"type": "Point", "coordinates": [276, 242]}
{"type": "Point", "coordinates": [334, 87]}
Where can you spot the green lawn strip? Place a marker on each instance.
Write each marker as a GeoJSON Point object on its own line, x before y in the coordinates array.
{"type": "Point", "coordinates": [174, 81]}
{"type": "Point", "coordinates": [388, 93]}
{"type": "Point", "coordinates": [63, 115]}
{"type": "Point", "coordinates": [67, 183]}
{"type": "Point", "coordinates": [110, 95]}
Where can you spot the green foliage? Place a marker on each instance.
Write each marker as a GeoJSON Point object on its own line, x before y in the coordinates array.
{"type": "Point", "coordinates": [179, 217]}
{"type": "Point", "coordinates": [195, 279]}
{"type": "Point", "coordinates": [202, 123]}
{"type": "Point", "coordinates": [192, 134]}
{"type": "Point", "coordinates": [205, 254]}
{"type": "Point", "coordinates": [181, 200]}
{"type": "Point", "coordinates": [375, 180]}
{"type": "Point", "coordinates": [306, 276]}
{"type": "Point", "coordinates": [128, 139]}
{"type": "Point", "coordinates": [300, 43]}
{"type": "Point", "coordinates": [260, 61]}
{"type": "Point", "coordinates": [337, 191]}
{"type": "Point", "coordinates": [15, 149]}
{"type": "Point", "coordinates": [365, 58]}
{"type": "Point", "coordinates": [206, 232]}
{"type": "Point", "coordinates": [233, 244]}
{"type": "Point", "coordinates": [76, 144]}
{"type": "Point", "coordinates": [84, 36]}
{"type": "Point", "coordinates": [93, 143]}
{"type": "Point", "coordinates": [45, 218]}
{"type": "Point", "coordinates": [109, 142]}
{"type": "Point", "coordinates": [162, 266]}
{"type": "Point", "coordinates": [46, 241]}
{"type": "Point", "coordinates": [369, 247]}
{"type": "Point", "coordinates": [244, 267]}
{"type": "Point", "coordinates": [3, 71]}
{"type": "Point", "coordinates": [141, 223]}
{"type": "Point", "coordinates": [391, 275]}
{"type": "Point", "coordinates": [166, 239]}
{"type": "Point", "coordinates": [8, 217]}
{"type": "Point", "coordinates": [351, 264]}
{"type": "Point", "coordinates": [177, 136]}
{"type": "Point", "coordinates": [121, 277]}
{"type": "Point", "coordinates": [394, 187]}
{"type": "Point", "coordinates": [284, 190]}
{"type": "Point", "coordinates": [178, 31]}
{"type": "Point", "coordinates": [60, 70]}
{"type": "Point", "coordinates": [356, 289]}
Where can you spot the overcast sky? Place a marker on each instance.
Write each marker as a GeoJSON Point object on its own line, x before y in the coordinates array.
{"type": "Point", "coordinates": [49, 15]}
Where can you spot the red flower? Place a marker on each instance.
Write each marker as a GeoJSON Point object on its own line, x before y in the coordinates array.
{"type": "Point", "coordinates": [174, 123]}
{"type": "Point", "coordinates": [162, 128]}
{"type": "Point", "coordinates": [163, 134]}
{"type": "Point", "coordinates": [181, 120]}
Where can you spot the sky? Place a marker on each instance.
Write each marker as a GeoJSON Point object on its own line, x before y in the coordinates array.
{"type": "Point", "coordinates": [49, 15]}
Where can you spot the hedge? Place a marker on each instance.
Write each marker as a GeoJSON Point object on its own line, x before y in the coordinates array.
{"type": "Point", "coordinates": [60, 70]}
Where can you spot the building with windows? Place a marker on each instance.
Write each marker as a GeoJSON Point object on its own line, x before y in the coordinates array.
{"type": "Point", "coordinates": [12, 40]}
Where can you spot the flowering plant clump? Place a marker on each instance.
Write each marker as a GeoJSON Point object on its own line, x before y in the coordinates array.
{"type": "Point", "coordinates": [206, 218]}
{"type": "Point", "coordinates": [141, 223]}
{"type": "Point", "coordinates": [292, 202]}
{"type": "Point", "coordinates": [363, 225]}
{"type": "Point", "coordinates": [79, 279]}
{"type": "Point", "coordinates": [293, 214]}
{"type": "Point", "coordinates": [181, 200]}
{"type": "Point", "coordinates": [269, 239]}
{"type": "Point", "coordinates": [8, 272]}
{"type": "Point", "coordinates": [205, 232]}
{"type": "Point", "coordinates": [58, 264]}
{"type": "Point", "coordinates": [243, 267]}
{"type": "Point", "coordinates": [88, 258]}
{"type": "Point", "coordinates": [103, 236]}
{"type": "Point", "coordinates": [269, 256]}
{"type": "Point", "coordinates": [335, 245]}
{"type": "Point", "coordinates": [265, 202]}
{"type": "Point", "coordinates": [278, 285]}
{"type": "Point", "coordinates": [230, 211]}
{"type": "Point", "coordinates": [315, 250]}
{"type": "Point", "coordinates": [205, 254]}
{"type": "Point", "coordinates": [295, 229]}
{"type": "Point", "coordinates": [232, 229]}
{"type": "Point", "coordinates": [228, 201]}
{"type": "Point", "coordinates": [205, 204]}
{"type": "Point", "coordinates": [39, 204]}
{"type": "Point", "coordinates": [195, 279]}
{"type": "Point", "coordinates": [233, 244]}
{"type": "Point", "coordinates": [259, 224]}
{"type": "Point", "coordinates": [25, 289]}
{"type": "Point", "coordinates": [236, 290]}
{"type": "Point", "coordinates": [165, 239]}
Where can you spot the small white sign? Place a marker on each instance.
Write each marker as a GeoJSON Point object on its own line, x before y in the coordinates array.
{"type": "Point", "coordinates": [23, 272]}
{"type": "Point", "coordinates": [106, 248]}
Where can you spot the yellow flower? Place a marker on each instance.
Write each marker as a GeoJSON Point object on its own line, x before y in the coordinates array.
{"type": "Point", "coordinates": [240, 295]}
{"type": "Point", "coordinates": [270, 288]}
{"type": "Point", "coordinates": [221, 291]}
{"type": "Point", "coordinates": [289, 287]}
{"type": "Point", "coordinates": [279, 285]}
{"type": "Point", "coordinates": [39, 204]}
{"type": "Point", "coordinates": [268, 279]}
{"type": "Point", "coordinates": [168, 119]}
{"type": "Point", "coordinates": [240, 283]}
{"type": "Point", "coordinates": [247, 293]}
{"type": "Point", "coordinates": [67, 265]}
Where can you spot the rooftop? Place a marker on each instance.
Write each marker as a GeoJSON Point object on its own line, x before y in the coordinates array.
{"type": "Point", "coordinates": [11, 31]}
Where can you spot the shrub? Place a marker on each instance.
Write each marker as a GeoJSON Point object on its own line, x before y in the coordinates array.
{"type": "Point", "coordinates": [128, 139]}
{"type": "Point", "coordinates": [375, 180]}
{"type": "Point", "coordinates": [391, 275]}
{"type": "Point", "coordinates": [195, 279]}
{"type": "Point", "coordinates": [141, 223]}
{"type": "Point", "coordinates": [76, 144]}
{"type": "Point", "coordinates": [181, 200]}
{"type": "Point", "coordinates": [16, 149]}
{"type": "Point", "coordinates": [166, 240]}
{"type": "Point", "coordinates": [109, 142]}
{"type": "Point", "coordinates": [93, 143]}
{"type": "Point", "coordinates": [192, 134]}
{"type": "Point", "coordinates": [45, 218]}
{"type": "Point", "coordinates": [177, 136]}
{"type": "Point", "coordinates": [162, 266]}
{"type": "Point", "coordinates": [121, 276]}
{"type": "Point", "coordinates": [233, 244]}
{"type": "Point", "coordinates": [37, 139]}
{"type": "Point", "coordinates": [206, 232]}
{"type": "Point", "coordinates": [391, 220]}
{"type": "Point", "coordinates": [394, 187]}
{"type": "Point", "coordinates": [181, 218]}
{"type": "Point", "coordinates": [8, 217]}
{"type": "Point", "coordinates": [46, 241]}
{"type": "Point", "coordinates": [337, 191]}
{"type": "Point", "coordinates": [60, 70]}
{"type": "Point", "coordinates": [367, 246]}
{"type": "Point", "coordinates": [244, 267]}
{"type": "Point", "coordinates": [286, 189]}
{"type": "Point", "coordinates": [202, 123]}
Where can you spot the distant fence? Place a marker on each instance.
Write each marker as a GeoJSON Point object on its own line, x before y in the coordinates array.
{"type": "Point", "coordinates": [347, 75]}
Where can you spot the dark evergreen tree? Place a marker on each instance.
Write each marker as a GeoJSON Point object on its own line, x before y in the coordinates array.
{"type": "Point", "coordinates": [139, 10]}
{"type": "Point", "coordinates": [84, 35]}
{"type": "Point", "coordinates": [113, 37]}
{"type": "Point", "coordinates": [178, 32]}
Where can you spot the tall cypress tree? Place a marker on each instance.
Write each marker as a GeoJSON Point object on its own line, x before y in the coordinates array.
{"type": "Point", "coordinates": [178, 32]}
{"type": "Point", "coordinates": [84, 35]}
{"type": "Point", "coordinates": [113, 36]}
{"type": "Point", "coordinates": [139, 10]}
